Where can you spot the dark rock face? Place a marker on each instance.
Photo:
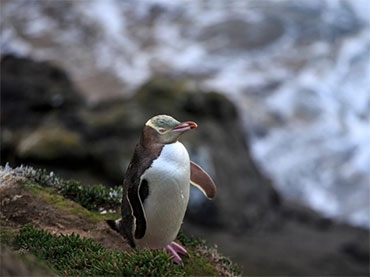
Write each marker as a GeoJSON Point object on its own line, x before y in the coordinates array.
{"type": "Point", "coordinates": [38, 107]}
{"type": "Point", "coordinates": [44, 122]}
{"type": "Point", "coordinates": [100, 139]}
{"type": "Point", "coordinates": [33, 90]}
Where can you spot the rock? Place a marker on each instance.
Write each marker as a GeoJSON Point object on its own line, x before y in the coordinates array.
{"type": "Point", "coordinates": [179, 97]}
{"type": "Point", "coordinates": [51, 144]}
{"type": "Point", "coordinates": [13, 264]}
{"type": "Point", "coordinates": [162, 93]}
{"type": "Point", "coordinates": [101, 139]}
{"type": "Point", "coordinates": [33, 89]}
{"type": "Point", "coordinates": [248, 219]}
{"type": "Point", "coordinates": [110, 157]}
{"type": "Point", "coordinates": [358, 250]}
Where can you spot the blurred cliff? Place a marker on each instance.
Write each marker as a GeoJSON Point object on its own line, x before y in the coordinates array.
{"type": "Point", "coordinates": [298, 72]}
{"type": "Point", "coordinates": [279, 88]}
{"type": "Point", "coordinates": [45, 123]}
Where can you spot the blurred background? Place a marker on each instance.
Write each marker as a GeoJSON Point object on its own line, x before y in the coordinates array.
{"type": "Point", "coordinates": [281, 90]}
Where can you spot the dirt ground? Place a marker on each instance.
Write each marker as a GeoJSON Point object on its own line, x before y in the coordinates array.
{"type": "Point", "coordinates": [297, 246]}
{"type": "Point", "coordinates": [19, 207]}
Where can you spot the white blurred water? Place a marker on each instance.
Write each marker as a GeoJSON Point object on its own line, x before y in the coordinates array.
{"type": "Point", "coordinates": [299, 72]}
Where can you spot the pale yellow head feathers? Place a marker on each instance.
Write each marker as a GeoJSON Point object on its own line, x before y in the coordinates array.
{"type": "Point", "coordinates": [168, 129]}
{"type": "Point", "coordinates": [162, 123]}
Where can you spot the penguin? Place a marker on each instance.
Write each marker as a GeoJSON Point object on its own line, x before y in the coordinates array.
{"type": "Point", "coordinates": [156, 187]}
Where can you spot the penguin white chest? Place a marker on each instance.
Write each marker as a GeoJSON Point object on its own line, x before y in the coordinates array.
{"type": "Point", "coordinates": [169, 183]}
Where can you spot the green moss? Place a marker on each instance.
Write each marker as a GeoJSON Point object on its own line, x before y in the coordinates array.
{"type": "Point", "coordinates": [74, 208]}
{"type": "Point", "coordinates": [76, 256]}
{"type": "Point", "coordinates": [6, 235]}
{"type": "Point", "coordinates": [111, 115]}
{"type": "Point", "coordinates": [198, 266]}
{"type": "Point", "coordinates": [57, 191]}
{"type": "Point", "coordinates": [91, 197]}
{"type": "Point", "coordinates": [162, 95]}
{"type": "Point", "coordinates": [73, 255]}
{"type": "Point", "coordinates": [60, 202]}
{"type": "Point", "coordinates": [49, 143]}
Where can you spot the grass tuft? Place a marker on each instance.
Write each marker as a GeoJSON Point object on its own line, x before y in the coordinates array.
{"type": "Point", "coordinates": [189, 240]}
{"type": "Point", "coordinates": [92, 197]}
{"type": "Point", "coordinates": [72, 255]}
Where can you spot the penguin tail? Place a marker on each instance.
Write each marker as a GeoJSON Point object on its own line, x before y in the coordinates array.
{"type": "Point", "coordinates": [117, 226]}
{"type": "Point", "coordinates": [114, 224]}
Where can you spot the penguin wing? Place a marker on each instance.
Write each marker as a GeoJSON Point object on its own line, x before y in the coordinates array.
{"type": "Point", "coordinates": [133, 197]}
{"type": "Point", "coordinates": [135, 192]}
{"type": "Point", "coordinates": [200, 178]}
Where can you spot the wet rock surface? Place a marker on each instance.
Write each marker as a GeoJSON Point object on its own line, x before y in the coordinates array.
{"type": "Point", "coordinates": [248, 219]}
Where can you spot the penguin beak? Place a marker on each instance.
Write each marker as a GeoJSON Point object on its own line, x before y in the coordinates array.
{"type": "Point", "coordinates": [184, 126]}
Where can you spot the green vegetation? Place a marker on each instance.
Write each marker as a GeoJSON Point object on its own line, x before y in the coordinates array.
{"type": "Point", "coordinates": [76, 255]}
{"type": "Point", "coordinates": [6, 235]}
{"type": "Point", "coordinates": [92, 197]}
{"type": "Point", "coordinates": [201, 257]}
{"type": "Point", "coordinates": [199, 266]}
{"type": "Point", "coordinates": [73, 255]}
{"type": "Point", "coordinates": [189, 240]}
{"type": "Point", "coordinates": [65, 204]}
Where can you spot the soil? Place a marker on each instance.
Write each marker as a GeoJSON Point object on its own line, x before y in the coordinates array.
{"type": "Point", "coordinates": [19, 207]}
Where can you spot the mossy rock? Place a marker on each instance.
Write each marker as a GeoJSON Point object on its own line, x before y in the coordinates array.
{"type": "Point", "coordinates": [50, 144]}
{"type": "Point", "coordinates": [211, 105]}
{"type": "Point", "coordinates": [112, 117]}
{"type": "Point", "coordinates": [31, 89]}
{"type": "Point", "coordinates": [178, 97]}
{"type": "Point", "coordinates": [162, 95]}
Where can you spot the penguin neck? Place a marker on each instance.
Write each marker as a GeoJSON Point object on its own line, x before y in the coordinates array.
{"type": "Point", "coordinates": [148, 137]}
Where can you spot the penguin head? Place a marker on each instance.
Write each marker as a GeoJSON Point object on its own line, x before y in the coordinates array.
{"type": "Point", "coordinates": [167, 129]}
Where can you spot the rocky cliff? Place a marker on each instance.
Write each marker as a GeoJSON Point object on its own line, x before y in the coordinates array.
{"type": "Point", "coordinates": [45, 122]}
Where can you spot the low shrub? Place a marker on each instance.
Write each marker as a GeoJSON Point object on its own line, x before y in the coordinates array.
{"type": "Point", "coordinates": [72, 255]}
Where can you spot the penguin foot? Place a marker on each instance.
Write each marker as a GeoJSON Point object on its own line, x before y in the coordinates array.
{"type": "Point", "coordinates": [174, 249]}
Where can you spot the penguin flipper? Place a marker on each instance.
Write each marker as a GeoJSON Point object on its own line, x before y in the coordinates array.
{"type": "Point", "coordinates": [200, 178]}
{"type": "Point", "coordinates": [137, 210]}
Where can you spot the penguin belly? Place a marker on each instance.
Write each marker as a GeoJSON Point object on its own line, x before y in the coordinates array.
{"type": "Point", "coordinates": [169, 184]}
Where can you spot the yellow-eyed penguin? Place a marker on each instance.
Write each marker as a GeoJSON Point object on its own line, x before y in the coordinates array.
{"type": "Point", "coordinates": [156, 187]}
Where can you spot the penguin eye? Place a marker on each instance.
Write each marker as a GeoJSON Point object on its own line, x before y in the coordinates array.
{"type": "Point", "coordinates": [161, 130]}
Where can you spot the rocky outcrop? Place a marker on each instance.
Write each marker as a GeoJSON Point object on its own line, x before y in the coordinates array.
{"type": "Point", "coordinates": [100, 139]}
{"type": "Point", "coordinates": [29, 90]}
{"type": "Point", "coordinates": [45, 123]}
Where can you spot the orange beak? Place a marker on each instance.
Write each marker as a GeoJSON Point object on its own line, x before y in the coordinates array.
{"type": "Point", "coordinates": [185, 126]}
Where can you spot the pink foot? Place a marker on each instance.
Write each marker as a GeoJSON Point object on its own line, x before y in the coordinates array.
{"type": "Point", "coordinates": [174, 249]}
